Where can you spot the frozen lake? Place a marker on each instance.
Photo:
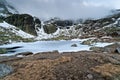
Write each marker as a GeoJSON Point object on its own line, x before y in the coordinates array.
{"type": "Point", "coordinates": [45, 46]}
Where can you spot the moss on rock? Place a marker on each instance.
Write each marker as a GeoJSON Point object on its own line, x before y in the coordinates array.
{"type": "Point", "coordinates": [50, 28]}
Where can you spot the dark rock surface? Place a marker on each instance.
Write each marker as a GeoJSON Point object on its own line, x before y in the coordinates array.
{"type": "Point", "coordinates": [74, 45]}
{"type": "Point", "coordinates": [50, 28]}
{"type": "Point", "coordinates": [25, 22]}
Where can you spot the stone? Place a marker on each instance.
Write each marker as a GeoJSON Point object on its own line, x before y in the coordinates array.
{"type": "Point", "coordinates": [5, 70]}
{"type": "Point", "coordinates": [74, 45]}
{"type": "Point", "coordinates": [90, 76]}
{"type": "Point", "coordinates": [50, 28]}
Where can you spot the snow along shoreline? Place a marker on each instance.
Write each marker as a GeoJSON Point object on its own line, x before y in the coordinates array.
{"type": "Point", "coordinates": [49, 46]}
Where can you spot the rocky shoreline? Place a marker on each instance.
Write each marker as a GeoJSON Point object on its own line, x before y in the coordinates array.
{"type": "Point", "coordinates": [101, 63]}
{"type": "Point", "coordinates": [82, 65]}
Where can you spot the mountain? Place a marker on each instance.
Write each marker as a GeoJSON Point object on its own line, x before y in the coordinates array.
{"type": "Point", "coordinates": [28, 26]}
{"type": "Point", "coordinates": [24, 22]}
{"type": "Point", "coordinates": [6, 8]}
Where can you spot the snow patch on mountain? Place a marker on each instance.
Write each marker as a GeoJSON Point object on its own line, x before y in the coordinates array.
{"type": "Point", "coordinates": [42, 35]}
{"type": "Point", "coordinates": [6, 8]}
{"type": "Point", "coordinates": [12, 10]}
{"type": "Point", "coordinates": [15, 30]}
{"type": "Point", "coordinates": [72, 31]}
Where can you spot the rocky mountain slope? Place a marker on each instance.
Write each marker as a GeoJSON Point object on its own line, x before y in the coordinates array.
{"type": "Point", "coordinates": [6, 8]}
{"type": "Point", "coordinates": [57, 28]}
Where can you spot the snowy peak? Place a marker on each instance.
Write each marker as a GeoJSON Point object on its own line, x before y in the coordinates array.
{"type": "Point", "coordinates": [6, 8]}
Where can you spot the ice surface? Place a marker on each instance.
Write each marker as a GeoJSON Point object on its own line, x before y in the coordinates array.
{"type": "Point", "coordinates": [45, 46]}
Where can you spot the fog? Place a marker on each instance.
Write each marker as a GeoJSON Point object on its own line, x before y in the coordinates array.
{"type": "Point", "coordinates": [66, 9]}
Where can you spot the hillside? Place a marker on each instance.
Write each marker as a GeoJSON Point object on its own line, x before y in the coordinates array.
{"type": "Point", "coordinates": [56, 28]}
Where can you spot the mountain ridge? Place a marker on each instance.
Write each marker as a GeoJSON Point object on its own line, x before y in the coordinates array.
{"type": "Point", "coordinates": [57, 28]}
{"type": "Point", "coordinates": [6, 8]}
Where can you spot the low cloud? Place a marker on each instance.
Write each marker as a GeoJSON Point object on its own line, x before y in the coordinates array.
{"type": "Point", "coordinates": [66, 8]}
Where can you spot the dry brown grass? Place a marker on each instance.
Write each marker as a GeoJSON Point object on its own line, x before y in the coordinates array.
{"type": "Point", "coordinates": [107, 70]}
{"type": "Point", "coordinates": [37, 69]}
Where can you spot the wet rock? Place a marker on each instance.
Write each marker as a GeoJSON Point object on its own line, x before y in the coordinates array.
{"type": "Point", "coordinates": [24, 54]}
{"type": "Point", "coordinates": [5, 70]}
{"type": "Point", "coordinates": [74, 45]}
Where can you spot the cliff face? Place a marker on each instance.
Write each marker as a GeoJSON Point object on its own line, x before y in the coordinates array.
{"type": "Point", "coordinates": [25, 22]}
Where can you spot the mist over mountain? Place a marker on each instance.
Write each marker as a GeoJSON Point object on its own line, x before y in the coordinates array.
{"type": "Point", "coordinates": [6, 8]}
{"type": "Point", "coordinates": [66, 9]}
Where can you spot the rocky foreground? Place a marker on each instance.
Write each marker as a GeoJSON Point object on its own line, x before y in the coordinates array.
{"type": "Point", "coordinates": [84, 65]}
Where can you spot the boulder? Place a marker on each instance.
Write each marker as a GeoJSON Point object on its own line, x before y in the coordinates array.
{"type": "Point", "coordinates": [5, 70]}
{"type": "Point", "coordinates": [74, 45]}
{"type": "Point", "coordinates": [90, 76]}
{"type": "Point", "coordinates": [50, 28]}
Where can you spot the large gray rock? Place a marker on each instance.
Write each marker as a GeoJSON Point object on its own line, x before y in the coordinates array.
{"type": "Point", "coordinates": [5, 70]}
{"type": "Point", "coordinates": [74, 45]}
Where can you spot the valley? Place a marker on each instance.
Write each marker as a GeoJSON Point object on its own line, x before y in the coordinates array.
{"type": "Point", "coordinates": [56, 48]}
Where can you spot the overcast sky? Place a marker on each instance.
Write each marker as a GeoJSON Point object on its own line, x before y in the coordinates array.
{"type": "Point", "coordinates": [66, 8]}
